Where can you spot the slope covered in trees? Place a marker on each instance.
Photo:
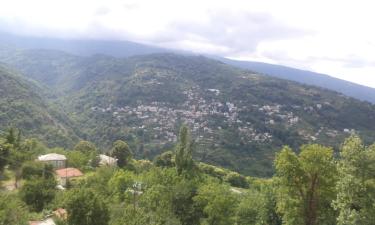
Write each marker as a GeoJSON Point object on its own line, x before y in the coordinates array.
{"type": "Point", "coordinates": [239, 118]}
{"type": "Point", "coordinates": [126, 49]}
{"type": "Point", "coordinates": [23, 105]}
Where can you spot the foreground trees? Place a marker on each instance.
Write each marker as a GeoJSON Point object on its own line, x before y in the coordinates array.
{"type": "Point", "coordinates": [309, 188]}
{"type": "Point", "coordinates": [84, 207]}
{"type": "Point", "coordinates": [356, 186]}
{"type": "Point", "coordinates": [12, 210]}
{"type": "Point", "coordinates": [38, 192]}
{"type": "Point", "coordinates": [306, 185]}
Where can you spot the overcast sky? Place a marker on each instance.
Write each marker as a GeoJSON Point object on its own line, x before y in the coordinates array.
{"type": "Point", "coordinates": [327, 36]}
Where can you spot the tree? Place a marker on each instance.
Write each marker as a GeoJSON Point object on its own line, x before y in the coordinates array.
{"type": "Point", "coordinates": [183, 204]}
{"type": "Point", "coordinates": [165, 159]}
{"type": "Point", "coordinates": [78, 159]}
{"type": "Point", "coordinates": [11, 137]}
{"type": "Point", "coordinates": [38, 192]}
{"type": "Point", "coordinates": [12, 210]}
{"type": "Point", "coordinates": [122, 153]}
{"type": "Point", "coordinates": [184, 152]}
{"type": "Point", "coordinates": [120, 182]}
{"type": "Point", "coordinates": [17, 156]}
{"type": "Point", "coordinates": [34, 169]}
{"type": "Point", "coordinates": [356, 185]}
{"type": "Point", "coordinates": [258, 207]}
{"type": "Point", "coordinates": [4, 154]}
{"type": "Point", "coordinates": [306, 185]}
{"type": "Point", "coordinates": [84, 207]}
{"type": "Point", "coordinates": [85, 147]}
{"type": "Point", "coordinates": [218, 203]}
{"type": "Point", "coordinates": [236, 180]}
{"type": "Point", "coordinates": [157, 202]}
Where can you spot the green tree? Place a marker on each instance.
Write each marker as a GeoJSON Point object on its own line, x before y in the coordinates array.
{"type": "Point", "coordinates": [35, 169]}
{"type": "Point", "coordinates": [120, 182]}
{"type": "Point", "coordinates": [85, 147]}
{"type": "Point", "coordinates": [165, 159]}
{"type": "Point", "coordinates": [11, 137]}
{"type": "Point", "coordinates": [122, 153]}
{"type": "Point", "coordinates": [4, 154]}
{"type": "Point", "coordinates": [12, 210]}
{"type": "Point", "coordinates": [236, 180]}
{"type": "Point", "coordinates": [306, 185]}
{"type": "Point", "coordinates": [184, 152]}
{"type": "Point", "coordinates": [219, 204]}
{"type": "Point", "coordinates": [183, 204]}
{"type": "Point", "coordinates": [84, 207]}
{"type": "Point", "coordinates": [38, 192]}
{"type": "Point", "coordinates": [258, 207]}
{"type": "Point", "coordinates": [157, 202]}
{"type": "Point", "coordinates": [78, 159]}
{"type": "Point", "coordinates": [17, 156]}
{"type": "Point", "coordinates": [356, 185]}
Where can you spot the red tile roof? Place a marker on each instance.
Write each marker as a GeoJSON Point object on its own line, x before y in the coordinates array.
{"type": "Point", "coordinates": [69, 172]}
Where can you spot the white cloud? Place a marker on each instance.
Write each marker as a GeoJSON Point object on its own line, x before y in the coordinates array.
{"type": "Point", "coordinates": [334, 37]}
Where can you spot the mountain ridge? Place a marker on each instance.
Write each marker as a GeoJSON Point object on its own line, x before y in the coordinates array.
{"type": "Point", "coordinates": [126, 48]}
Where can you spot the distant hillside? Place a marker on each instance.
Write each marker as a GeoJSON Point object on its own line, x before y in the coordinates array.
{"type": "Point", "coordinates": [23, 106]}
{"type": "Point", "coordinates": [239, 118]}
{"type": "Point", "coordinates": [307, 77]}
{"type": "Point", "coordinates": [126, 48]}
{"type": "Point", "coordinates": [78, 47]}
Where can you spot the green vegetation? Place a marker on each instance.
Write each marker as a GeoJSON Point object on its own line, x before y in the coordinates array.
{"type": "Point", "coordinates": [122, 153]}
{"type": "Point", "coordinates": [239, 119]}
{"type": "Point", "coordinates": [309, 188]}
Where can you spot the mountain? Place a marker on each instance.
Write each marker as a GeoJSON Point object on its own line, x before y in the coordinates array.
{"type": "Point", "coordinates": [239, 118]}
{"type": "Point", "coordinates": [126, 48]}
{"type": "Point", "coordinates": [307, 77]}
{"type": "Point", "coordinates": [83, 47]}
{"type": "Point", "coordinates": [22, 106]}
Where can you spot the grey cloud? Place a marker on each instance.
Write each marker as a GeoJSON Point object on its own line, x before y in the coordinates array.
{"type": "Point", "coordinates": [349, 61]}
{"type": "Point", "coordinates": [238, 31]}
{"type": "Point", "coordinates": [102, 11]}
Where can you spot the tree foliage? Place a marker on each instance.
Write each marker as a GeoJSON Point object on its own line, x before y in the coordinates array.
{"type": "Point", "coordinates": [122, 153]}
{"type": "Point", "coordinates": [219, 204]}
{"type": "Point", "coordinates": [84, 207]}
{"type": "Point", "coordinates": [356, 183]}
{"type": "Point", "coordinates": [38, 192]}
{"type": "Point", "coordinates": [184, 153]}
{"type": "Point", "coordinates": [12, 210]}
{"type": "Point", "coordinates": [306, 185]}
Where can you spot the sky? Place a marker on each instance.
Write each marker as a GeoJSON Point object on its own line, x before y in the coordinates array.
{"type": "Point", "coordinates": [334, 37]}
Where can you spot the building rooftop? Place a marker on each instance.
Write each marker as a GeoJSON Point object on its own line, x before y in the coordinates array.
{"type": "Point", "coordinates": [44, 222]}
{"type": "Point", "coordinates": [69, 172]}
{"type": "Point", "coordinates": [52, 157]}
{"type": "Point", "coordinates": [107, 160]}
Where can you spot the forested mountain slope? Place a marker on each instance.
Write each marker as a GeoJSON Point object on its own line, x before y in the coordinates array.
{"type": "Point", "coordinates": [23, 106]}
{"type": "Point", "coordinates": [238, 118]}
{"type": "Point", "coordinates": [126, 48]}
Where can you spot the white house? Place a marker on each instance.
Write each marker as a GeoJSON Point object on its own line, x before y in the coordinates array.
{"type": "Point", "coordinates": [107, 160]}
{"type": "Point", "coordinates": [56, 160]}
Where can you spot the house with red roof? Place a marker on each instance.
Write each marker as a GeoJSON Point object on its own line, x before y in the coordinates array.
{"type": "Point", "coordinates": [66, 174]}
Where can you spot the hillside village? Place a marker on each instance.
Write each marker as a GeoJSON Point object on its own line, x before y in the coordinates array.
{"type": "Point", "coordinates": [208, 114]}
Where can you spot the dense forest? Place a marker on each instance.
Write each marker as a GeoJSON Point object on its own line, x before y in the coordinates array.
{"type": "Point", "coordinates": [311, 187]}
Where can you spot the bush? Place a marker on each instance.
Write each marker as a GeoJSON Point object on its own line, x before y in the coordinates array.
{"type": "Point", "coordinates": [236, 180]}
